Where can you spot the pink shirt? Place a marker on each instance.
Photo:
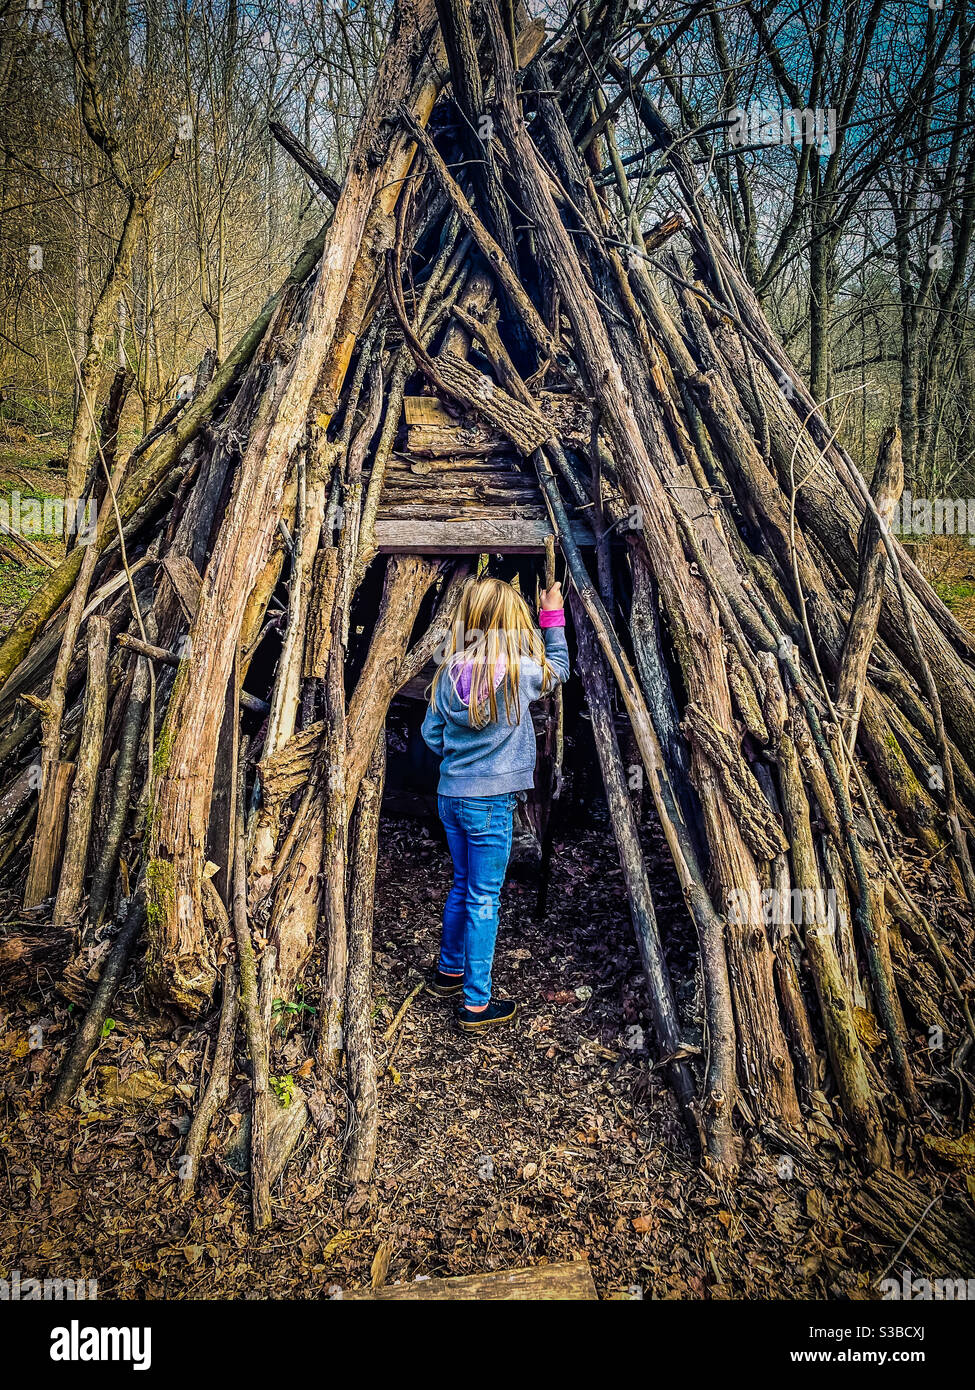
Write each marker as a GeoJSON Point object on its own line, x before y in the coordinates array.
{"type": "Point", "coordinates": [548, 617]}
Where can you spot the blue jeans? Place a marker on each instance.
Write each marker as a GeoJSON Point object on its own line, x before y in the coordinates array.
{"type": "Point", "coordinates": [479, 836]}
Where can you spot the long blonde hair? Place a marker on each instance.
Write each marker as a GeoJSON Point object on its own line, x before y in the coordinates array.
{"type": "Point", "coordinates": [493, 624]}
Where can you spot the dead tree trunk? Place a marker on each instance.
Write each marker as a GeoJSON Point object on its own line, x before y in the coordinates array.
{"type": "Point", "coordinates": [218, 1083]}
{"type": "Point", "coordinates": [888, 482]}
{"type": "Point", "coordinates": [82, 800]}
{"type": "Point", "coordinates": [336, 816]}
{"type": "Point", "coordinates": [663, 1009]}
{"type": "Point", "coordinates": [254, 1024]}
{"type": "Point", "coordinates": [360, 1053]}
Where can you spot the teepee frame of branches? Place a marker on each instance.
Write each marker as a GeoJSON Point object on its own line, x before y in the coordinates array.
{"type": "Point", "coordinates": [802, 702]}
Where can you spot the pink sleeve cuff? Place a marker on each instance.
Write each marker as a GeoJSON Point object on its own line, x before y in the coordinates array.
{"type": "Point", "coordinates": [552, 617]}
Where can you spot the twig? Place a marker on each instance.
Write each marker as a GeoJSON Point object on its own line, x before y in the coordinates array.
{"type": "Point", "coordinates": [218, 1084]}
{"type": "Point", "coordinates": [402, 1011]}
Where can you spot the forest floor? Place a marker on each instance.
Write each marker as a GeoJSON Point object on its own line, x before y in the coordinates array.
{"type": "Point", "coordinates": [553, 1140]}
{"type": "Point", "coordinates": [948, 564]}
{"type": "Point", "coordinates": [27, 471]}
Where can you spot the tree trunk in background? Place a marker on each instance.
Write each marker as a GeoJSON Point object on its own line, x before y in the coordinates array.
{"type": "Point", "coordinates": [821, 275]}
{"type": "Point", "coordinates": [92, 365]}
{"type": "Point", "coordinates": [908, 352]}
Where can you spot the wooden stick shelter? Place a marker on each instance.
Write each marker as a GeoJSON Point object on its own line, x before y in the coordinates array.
{"type": "Point", "coordinates": [480, 355]}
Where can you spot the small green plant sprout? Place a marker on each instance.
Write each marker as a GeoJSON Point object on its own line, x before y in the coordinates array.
{"type": "Point", "coordinates": [283, 1009]}
{"type": "Point", "coordinates": [283, 1087]}
{"type": "Point", "coordinates": [107, 1027]}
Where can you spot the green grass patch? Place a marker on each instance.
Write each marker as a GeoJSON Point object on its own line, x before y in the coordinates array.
{"type": "Point", "coordinates": [954, 594]}
{"type": "Point", "coordinates": [34, 471]}
{"type": "Point", "coordinates": [30, 454]}
{"type": "Point", "coordinates": [17, 584]}
{"type": "Point", "coordinates": [28, 493]}
{"type": "Point", "coordinates": [24, 412]}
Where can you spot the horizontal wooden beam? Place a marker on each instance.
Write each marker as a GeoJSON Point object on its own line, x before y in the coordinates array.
{"type": "Point", "coordinates": [521, 536]}
{"type": "Point", "coordinates": [542, 1283]}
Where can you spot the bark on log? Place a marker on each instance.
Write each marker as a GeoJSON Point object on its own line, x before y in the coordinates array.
{"type": "Point", "coordinates": [662, 1004]}
{"type": "Point", "coordinates": [254, 1025]}
{"type": "Point", "coordinates": [305, 160]}
{"type": "Point", "coordinates": [360, 1157]}
{"type": "Point", "coordinates": [81, 802]}
{"type": "Point", "coordinates": [336, 815]}
{"type": "Point", "coordinates": [888, 482]}
{"type": "Point", "coordinates": [937, 1236]}
{"type": "Point", "coordinates": [835, 1004]}
{"type": "Point", "coordinates": [105, 868]}
{"type": "Point", "coordinates": [540, 1283]}
{"type": "Point", "coordinates": [46, 855]}
{"type": "Point", "coordinates": [408, 578]}
{"type": "Point", "coordinates": [217, 1088]}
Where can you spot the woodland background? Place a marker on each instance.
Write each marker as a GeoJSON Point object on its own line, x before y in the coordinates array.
{"type": "Point", "coordinates": [146, 210]}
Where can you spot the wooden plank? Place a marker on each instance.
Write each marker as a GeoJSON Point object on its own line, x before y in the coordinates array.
{"type": "Point", "coordinates": [453, 498]}
{"type": "Point", "coordinates": [512, 536]}
{"type": "Point", "coordinates": [455, 516]}
{"type": "Point", "coordinates": [453, 509]}
{"type": "Point", "coordinates": [493, 465]}
{"type": "Point", "coordinates": [443, 480]}
{"type": "Point", "coordinates": [564, 409]}
{"type": "Point", "coordinates": [540, 1283]}
{"type": "Point", "coordinates": [426, 410]}
{"type": "Point", "coordinates": [440, 442]}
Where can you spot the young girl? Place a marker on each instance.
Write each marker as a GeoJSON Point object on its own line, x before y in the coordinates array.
{"type": "Point", "coordinates": [479, 724]}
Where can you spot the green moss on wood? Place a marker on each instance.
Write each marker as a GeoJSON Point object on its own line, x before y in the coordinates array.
{"type": "Point", "coordinates": [160, 892]}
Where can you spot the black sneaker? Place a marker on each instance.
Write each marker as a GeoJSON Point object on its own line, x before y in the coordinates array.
{"type": "Point", "coordinates": [444, 986]}
{"type": "Point", "coordinates": [498, 1011]}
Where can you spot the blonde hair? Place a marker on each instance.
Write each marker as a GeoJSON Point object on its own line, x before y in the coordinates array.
{"type": "Point", "coordinates": [493, 623]}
